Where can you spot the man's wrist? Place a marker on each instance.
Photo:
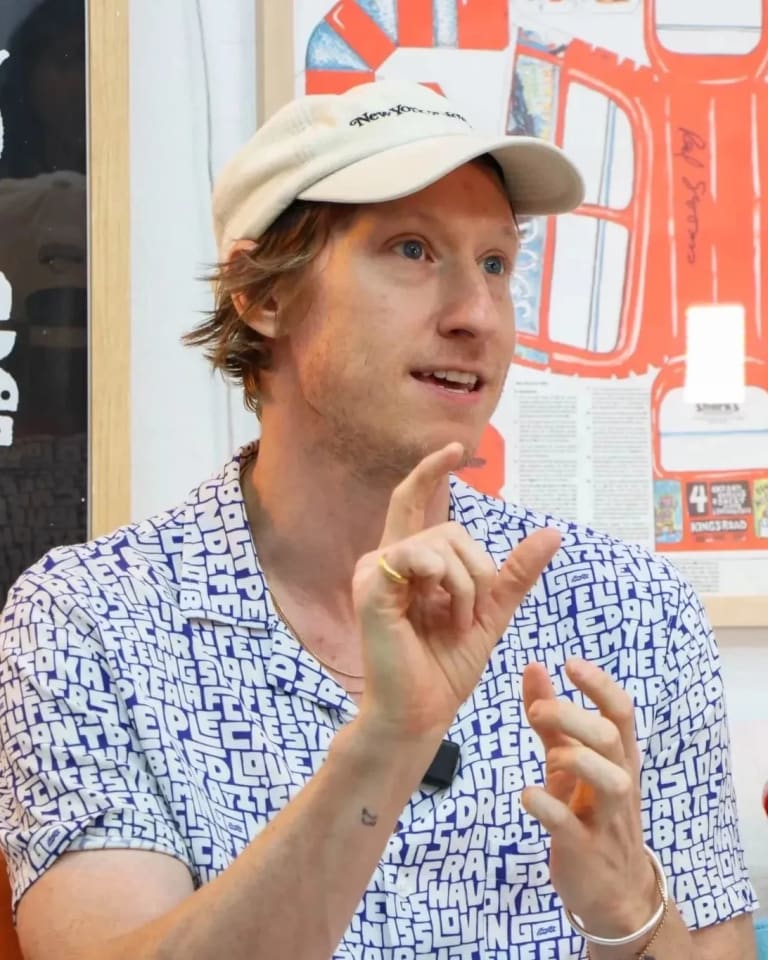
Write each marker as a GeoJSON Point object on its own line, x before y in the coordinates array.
{"type": "Point", "coordinates": [377, 724]}
{"type": "Point", "coordinates": [381, 749]}
{"type": "Point", "coordinates": [631, 910]}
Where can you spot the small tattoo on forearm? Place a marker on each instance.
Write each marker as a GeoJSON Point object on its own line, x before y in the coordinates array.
{"type": "Point", "coordinates": [369, 819]}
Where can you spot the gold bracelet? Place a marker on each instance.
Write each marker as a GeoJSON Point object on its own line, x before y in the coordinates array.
{"type": "Point", "coordinates": [644, 954]}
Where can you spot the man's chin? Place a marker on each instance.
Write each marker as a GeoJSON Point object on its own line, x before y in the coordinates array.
{"type": "Point", "coordinates": [429, 445]}
{"type": "Point", "coordinates": [390, 454]}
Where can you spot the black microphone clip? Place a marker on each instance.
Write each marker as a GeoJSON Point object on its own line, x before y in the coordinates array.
{"type": "Point", "coordinates": [443, 768]}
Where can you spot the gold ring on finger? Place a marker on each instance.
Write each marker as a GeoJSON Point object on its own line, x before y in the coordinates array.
{"type": "Point", "coordinates": [390, 573]}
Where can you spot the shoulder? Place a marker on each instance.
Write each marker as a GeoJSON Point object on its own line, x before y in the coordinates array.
{"type": "Point", "coordinates": [144, 553]}
{"type": "Point", "coordinates": [587, 557]}
{"type": "Point", "coordinates": [104, 583]}
{"type": "Point", "coordinates": [612, 602]}
{"type": "Point", "coordinates": [141, 579]}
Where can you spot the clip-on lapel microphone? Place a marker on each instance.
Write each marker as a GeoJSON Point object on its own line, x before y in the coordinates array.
{"type": "Point", "coordinates": [443, 768]}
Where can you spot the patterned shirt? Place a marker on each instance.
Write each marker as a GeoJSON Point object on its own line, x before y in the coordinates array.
{"type": "Point", "coordinates": [151, 697]}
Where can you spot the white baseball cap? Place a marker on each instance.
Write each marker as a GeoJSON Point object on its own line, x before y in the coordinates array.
{"type": "Point", "coordinates": [376, 142]}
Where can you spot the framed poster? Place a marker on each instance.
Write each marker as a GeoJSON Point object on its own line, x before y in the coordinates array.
{"type": "Point", "coordinates": [63, 303]}
{"type": "Point", "coordinates": [44, 278]}
{"type": "Point", "coordinates": [661, 104]}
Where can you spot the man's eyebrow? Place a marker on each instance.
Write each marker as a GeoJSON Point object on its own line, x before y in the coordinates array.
{"type": "Point", "coordinates": [510, 229]}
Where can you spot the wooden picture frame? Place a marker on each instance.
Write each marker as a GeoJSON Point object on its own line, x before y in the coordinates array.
{"type": "Point", "coordinates": [109, 499]}
{"type": "Point", "coordinates": [274, 45]}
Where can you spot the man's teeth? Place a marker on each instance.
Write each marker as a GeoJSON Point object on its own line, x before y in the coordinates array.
{"type": "Point", "coordinates": [469, 380]}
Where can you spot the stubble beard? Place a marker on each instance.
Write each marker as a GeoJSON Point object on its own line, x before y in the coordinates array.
{"type": "Point", "coordinates": [378, 452]}
{"type": "Point", "coordinates": [378, 457]}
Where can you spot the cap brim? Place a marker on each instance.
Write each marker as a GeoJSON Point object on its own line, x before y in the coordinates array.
{"type": "Point", "coordinates": [540, 178]}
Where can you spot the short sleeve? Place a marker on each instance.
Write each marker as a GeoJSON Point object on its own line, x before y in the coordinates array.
{"type": "Point", "coordinates": [72, 776]}
{"type": "Point", "coordinates": [689, 806]}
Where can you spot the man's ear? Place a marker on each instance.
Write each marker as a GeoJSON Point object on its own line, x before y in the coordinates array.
{"type": "Point", "coordinates": [263, 321]}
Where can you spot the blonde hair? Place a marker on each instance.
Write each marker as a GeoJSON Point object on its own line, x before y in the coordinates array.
{"type": "Point", "coordinates": [275, 266]}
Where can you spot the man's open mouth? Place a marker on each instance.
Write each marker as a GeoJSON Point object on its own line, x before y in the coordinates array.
{"type": "Point", "coordinates": [456, 380]}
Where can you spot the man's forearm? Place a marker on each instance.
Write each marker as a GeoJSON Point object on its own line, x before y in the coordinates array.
{"type": "Point", "coordinates": [293, 891]}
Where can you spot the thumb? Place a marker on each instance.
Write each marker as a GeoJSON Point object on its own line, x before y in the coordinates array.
{"type": "Point", "coordinates": [408, 503]}
{"type": "Point", "coordinates": [522, 569]}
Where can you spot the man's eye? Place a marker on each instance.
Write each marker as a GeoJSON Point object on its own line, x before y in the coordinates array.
{"type": "Point", "coordinates": [495, 265]}
{"type": "Point", "coordinates": [411, 249]}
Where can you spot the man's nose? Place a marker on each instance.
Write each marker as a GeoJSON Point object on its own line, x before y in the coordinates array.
{"type": "Point", "coordinates": [467, 306]}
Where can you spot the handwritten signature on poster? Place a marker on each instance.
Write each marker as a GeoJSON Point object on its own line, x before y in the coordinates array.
{"type": "Point", "coordinates": [692, 146]}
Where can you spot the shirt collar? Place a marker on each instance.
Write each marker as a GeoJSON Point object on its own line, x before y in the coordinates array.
{"type": "Point", "coordinates": [480, 516]}
{"type": "Point", "coordinates": [221, 579]}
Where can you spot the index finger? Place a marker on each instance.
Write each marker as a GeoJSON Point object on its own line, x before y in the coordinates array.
{"type": "Point", "coordinates": [408, 503]}
{"type": "Point", "coordinates": [611, 700]}
{"type": "Point", "coordinates": [537, 686]}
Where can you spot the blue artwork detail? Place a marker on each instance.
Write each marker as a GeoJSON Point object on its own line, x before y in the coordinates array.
{"type": "Point", "coordinates": [519, 119]}
{"type": "Point", "coordinates": [533, 356]}
{"type": "Point", "coordinates": [528, 276]}
{"type": "Point", "coordinates": [384, 14]}
{"type": "Point", "coordinates": [535, 41]}
{"type": "Point", "coordinates": [446, 21]}
{"type": "Point", "coordinates": [327, 51]}
{"type": "Point", "coordinates": [532, 112]}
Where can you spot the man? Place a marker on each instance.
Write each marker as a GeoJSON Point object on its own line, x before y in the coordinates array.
{"type": "Point", "coordinates": [223, 727]}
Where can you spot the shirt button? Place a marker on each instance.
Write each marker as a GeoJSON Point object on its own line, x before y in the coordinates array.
{"type": "Point", "coordinates": [405, 886]}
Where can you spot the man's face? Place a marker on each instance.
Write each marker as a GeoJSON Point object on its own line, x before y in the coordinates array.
{"type": "Point", "coordinates": [406, 333]}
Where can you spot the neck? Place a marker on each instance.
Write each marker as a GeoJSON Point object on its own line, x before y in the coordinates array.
{"type": "Point", "coordinates": [313, 517]}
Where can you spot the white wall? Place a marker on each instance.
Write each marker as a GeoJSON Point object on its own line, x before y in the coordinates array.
{"type": "Point", "coordinates": [193, 102]}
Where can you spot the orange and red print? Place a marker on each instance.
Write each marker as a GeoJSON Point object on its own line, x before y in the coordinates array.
{"type": "Point", "coordinates": [674, 209]}
{"type": "Point", "coordinates": [357, 37]}
{"type": "Point", "coordinates": [675, 157]}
